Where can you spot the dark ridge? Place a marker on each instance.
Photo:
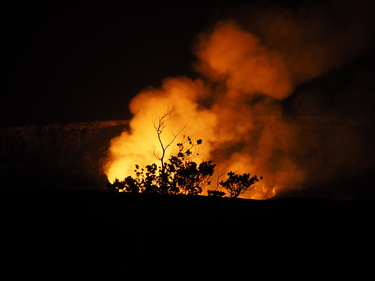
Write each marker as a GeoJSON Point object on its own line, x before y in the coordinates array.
{"type": "Point", "coordinates": [56, 156]}
{"type": "Point", "coordinates": [66, 231]}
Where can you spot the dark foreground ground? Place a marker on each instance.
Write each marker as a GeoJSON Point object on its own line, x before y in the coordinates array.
{"type": "Point", "coordinates": [180, 238]}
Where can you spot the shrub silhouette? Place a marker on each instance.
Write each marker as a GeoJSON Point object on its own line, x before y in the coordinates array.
{"type": "Point", "coordinates": [237, 184]}
{"type": "Point", "coordinates": [215, 193]}
{"type": "Point", "coordinates": [179, 174]}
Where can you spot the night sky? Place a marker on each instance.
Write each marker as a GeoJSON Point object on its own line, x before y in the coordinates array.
{"type": "Point", "coordinates": [65, 62]}
{"type": "Point", "coordinates": [83, 62]}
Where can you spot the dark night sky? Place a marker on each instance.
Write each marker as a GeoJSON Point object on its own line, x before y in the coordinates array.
{"type": "Point", "coordinates": [82, 62]}
{"type": "Point", "coordinates": [79, 62]}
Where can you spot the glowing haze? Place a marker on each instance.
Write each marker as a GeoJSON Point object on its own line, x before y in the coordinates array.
{"type": "Point", "coordinates": [235, 107]}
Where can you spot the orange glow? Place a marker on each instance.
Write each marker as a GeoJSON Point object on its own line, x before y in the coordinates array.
{"type": "Point", "coordinates": [248, 67]}
{"type": "Point", "coordinates": [138, 145]}
{"type": "Point", "coordinates": [232, 120]}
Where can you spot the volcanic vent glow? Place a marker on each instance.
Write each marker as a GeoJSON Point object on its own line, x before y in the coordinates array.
{"type": "Point", "coordinates": [235, 107]}
{"type": "Point", "coordinates": [223, 117]}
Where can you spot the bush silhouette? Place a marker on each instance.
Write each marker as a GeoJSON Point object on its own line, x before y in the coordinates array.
{"type": "Point", "coordinates": [237, 184]}
{"type": "Point", "coordinates": [215, 193]}
{"type": "Point", "coordinates": [179, 174]}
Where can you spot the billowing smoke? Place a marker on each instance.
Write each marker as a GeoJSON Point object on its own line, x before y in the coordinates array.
{"type": "Point", "coordinates": [314, 38]}
{"type": "Point", "coordinates": [249, 65]}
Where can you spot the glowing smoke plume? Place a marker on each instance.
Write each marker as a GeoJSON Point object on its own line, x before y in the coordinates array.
{"type": "Point", "coordinates": [236, 106]}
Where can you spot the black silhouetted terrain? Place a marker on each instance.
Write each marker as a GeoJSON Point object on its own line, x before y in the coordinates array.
{"type": "Point", "coordinates": [160, 236]}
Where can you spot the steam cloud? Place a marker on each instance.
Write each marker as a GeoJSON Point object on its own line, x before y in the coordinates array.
{"type": "Point", "coordinates": [249, 64]}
